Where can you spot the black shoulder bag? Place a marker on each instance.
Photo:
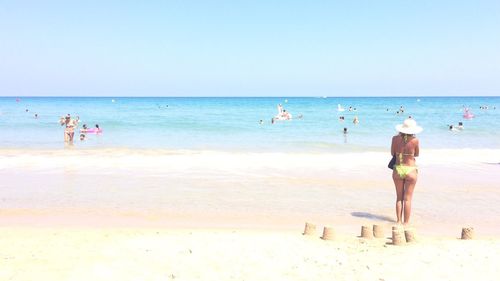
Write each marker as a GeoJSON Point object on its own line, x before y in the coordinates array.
{"type": "Point", "coordinates": [392, 162]}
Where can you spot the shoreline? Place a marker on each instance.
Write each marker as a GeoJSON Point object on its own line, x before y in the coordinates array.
{"type": "Point", "coordinates": [263, 190]}
{"type": "Point", "coordinates": [458, 155]}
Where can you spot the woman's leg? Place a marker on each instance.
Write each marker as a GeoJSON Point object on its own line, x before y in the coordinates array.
{"type": "Point", "coordinates": [410, 182]}
{"type": "Point", "coordinates": [399, 184]}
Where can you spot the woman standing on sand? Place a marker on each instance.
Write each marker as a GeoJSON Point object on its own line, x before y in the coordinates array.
{"type": "Point", "coordinates": [405, 147]}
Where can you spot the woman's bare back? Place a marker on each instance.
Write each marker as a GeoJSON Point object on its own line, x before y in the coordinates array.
{"type": "Point", "coordinates": [405, 150]}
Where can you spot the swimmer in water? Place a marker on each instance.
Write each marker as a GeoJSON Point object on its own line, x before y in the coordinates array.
{"type": "Point", "coordinates": [82, 137]}
{"type": "Point", "coordinates": [69, 131]}
{"type": "Point", "coordinates": [286, 115]}
{"type": "Point", "coordinates": [355, 120]}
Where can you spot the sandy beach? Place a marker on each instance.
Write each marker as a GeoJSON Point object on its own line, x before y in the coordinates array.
{"type": "Point", "coordinates": [208, 215]}
{"type": "Point", "coordinates": [222, 254]}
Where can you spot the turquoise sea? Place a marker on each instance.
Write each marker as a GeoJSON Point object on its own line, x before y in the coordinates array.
{"type": "Point", "coordinates": [233, 124]}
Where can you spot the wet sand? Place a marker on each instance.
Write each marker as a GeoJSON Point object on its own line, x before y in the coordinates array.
{"type": "Point", "coordinates": [248, 190]}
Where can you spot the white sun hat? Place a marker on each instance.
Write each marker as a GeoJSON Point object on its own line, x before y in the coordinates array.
{"type": "Point", "coordinates": [409, 127]}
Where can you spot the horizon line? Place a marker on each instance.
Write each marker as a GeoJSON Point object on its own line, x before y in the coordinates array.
{"type": "Point", "coordinates": [322, 97]}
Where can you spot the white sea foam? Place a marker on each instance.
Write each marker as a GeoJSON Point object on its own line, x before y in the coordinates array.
{"type": "Point", "coordinates": [150, 160]}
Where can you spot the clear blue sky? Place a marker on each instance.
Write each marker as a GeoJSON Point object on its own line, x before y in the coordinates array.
{"type": "Point", "coordinates": [249, 48]}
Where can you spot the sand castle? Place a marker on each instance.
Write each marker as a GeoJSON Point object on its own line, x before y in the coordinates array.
{"type": "Point", "coordinates": [328, 233]}
{"type": "Point", "coordinates": [310, 229]}
{"type": "Point", "coordinates": [366, 232]}
{"type": "Point", "coordinates": [467, 233]}
{"type": "Point", "coordinates": [400, 235]}
{"type": "Point", "coordinates": [378, 231]}
{"type": "Point", "coordinates": [410, 235]}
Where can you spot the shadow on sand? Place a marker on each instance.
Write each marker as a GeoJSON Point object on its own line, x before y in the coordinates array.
{"type": "Point", "coordinates": [372, 216]}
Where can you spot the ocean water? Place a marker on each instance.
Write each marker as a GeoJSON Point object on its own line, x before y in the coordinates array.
{"type": "Point", "coordinates": [232, 124]}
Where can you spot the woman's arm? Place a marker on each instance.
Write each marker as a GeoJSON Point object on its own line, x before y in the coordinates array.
{"type": "Point", "coordinates": [393, 146]}
{"type": "Point", "coordinates": [417, 150]}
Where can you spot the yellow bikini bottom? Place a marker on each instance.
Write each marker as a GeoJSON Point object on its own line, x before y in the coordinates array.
{"type": "Point", "coordinates": [403, 170]}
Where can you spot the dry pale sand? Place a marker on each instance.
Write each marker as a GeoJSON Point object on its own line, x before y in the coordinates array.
{"type": "Point", "coordinates": [225, 254]}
